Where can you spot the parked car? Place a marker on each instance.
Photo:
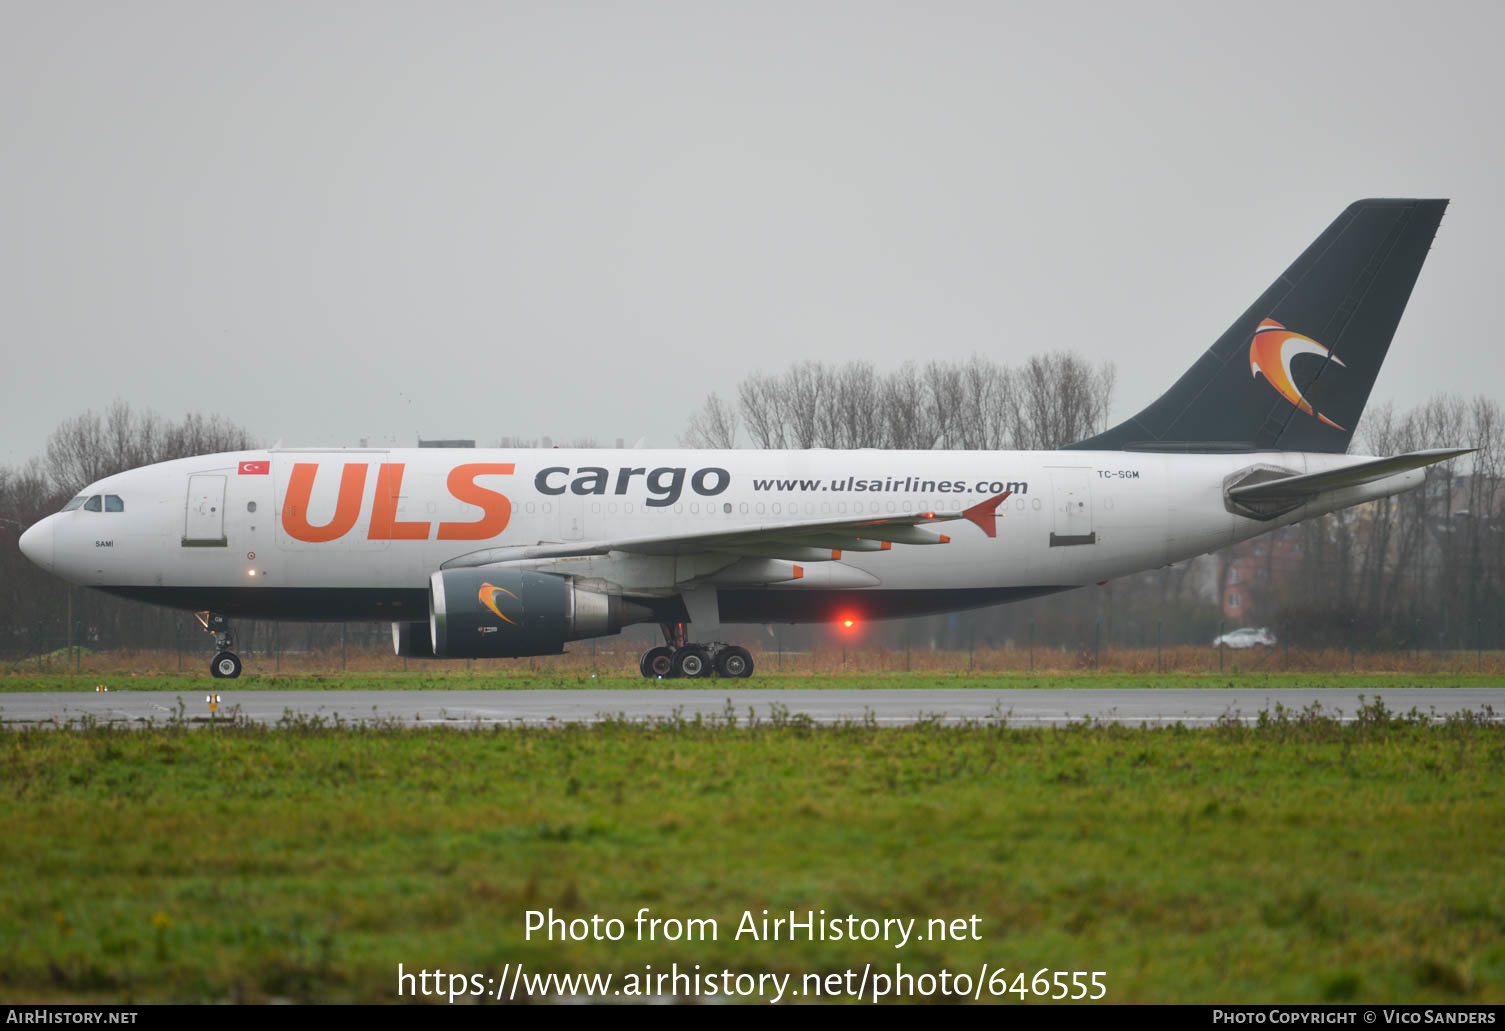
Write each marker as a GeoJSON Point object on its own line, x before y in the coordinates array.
{"type": "Point", "coordinates": [1245, 637]}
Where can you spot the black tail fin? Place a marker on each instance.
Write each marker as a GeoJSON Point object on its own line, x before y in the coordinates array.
{"type": "Point", "coordinates": [1294, 372]}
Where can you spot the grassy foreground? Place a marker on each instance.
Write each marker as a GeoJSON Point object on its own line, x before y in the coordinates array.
{"type": "Point", "coordinates": [1297, 860]}
{"type": "Point", "coordinates": [523, 680]}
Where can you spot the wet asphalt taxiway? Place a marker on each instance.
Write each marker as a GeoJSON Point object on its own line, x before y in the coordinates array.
{"type": "Point", "coordinates": [1025, 707]}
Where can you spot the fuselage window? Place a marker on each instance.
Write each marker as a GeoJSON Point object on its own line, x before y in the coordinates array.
{"type": "Point", "coordinates": [92, 505]}
{"type": "Point", "coordinates": [77, 502]}
{"type": "Point", "coordinates": [113, 503]}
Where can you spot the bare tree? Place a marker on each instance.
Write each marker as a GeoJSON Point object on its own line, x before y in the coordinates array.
{"type": "Point", "coordinates": [762, 410]}
{"type": "Point", "coordinates": [974, 405]}
{"type": "Point", "coordinates": [905, 423]}
{"type": "Point", "coordinates": [1061, 399]}
{"type": "Point", "coordinates": [88, 447]}
{"type": "Point", "coordinates": [714, 426]}
{"type": "Point", "coordinates": [807, 387]}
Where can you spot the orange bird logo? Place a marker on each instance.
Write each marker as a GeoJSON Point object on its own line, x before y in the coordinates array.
{"type": "Point", "coordinates": [1271, 351]}
{"type": "Point", "coordinates": [488, 595]}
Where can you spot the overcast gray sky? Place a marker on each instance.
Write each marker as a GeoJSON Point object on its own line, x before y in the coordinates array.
{"type": "Point", "coordinates": [334, 221]}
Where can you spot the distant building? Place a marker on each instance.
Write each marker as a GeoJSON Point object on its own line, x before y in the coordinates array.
{"type": "Point", "coordinates": [1248, 569]}
{"type": "Point", "coordinates": [445, 443]}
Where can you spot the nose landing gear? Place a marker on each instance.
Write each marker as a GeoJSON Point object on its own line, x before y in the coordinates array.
{"type": "Point", "coordinates": [226, 664]}
{"type": "Point", "coordinates": [678, 657]}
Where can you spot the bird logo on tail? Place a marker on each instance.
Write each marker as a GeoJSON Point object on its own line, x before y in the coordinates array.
{"type": "Point", "coordinates": [1271, 351]}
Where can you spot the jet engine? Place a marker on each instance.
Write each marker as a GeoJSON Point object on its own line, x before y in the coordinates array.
{"type": "Point", "coordinates": [412, 640]}
{"type": "Point", "coordinates": [494, 613]}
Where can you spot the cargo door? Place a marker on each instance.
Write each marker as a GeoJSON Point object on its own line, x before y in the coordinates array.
{"type": "Point", "coordinates": [204, 523]}
{"type": "Point", "coordinates": [1073, 507]}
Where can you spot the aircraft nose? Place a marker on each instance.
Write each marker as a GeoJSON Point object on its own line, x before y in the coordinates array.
{"type": "Point", "coordinates": [36, 544]}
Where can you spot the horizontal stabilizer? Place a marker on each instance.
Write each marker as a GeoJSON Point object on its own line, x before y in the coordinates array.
{"type": "Point", "coordinates": [1290, 488]}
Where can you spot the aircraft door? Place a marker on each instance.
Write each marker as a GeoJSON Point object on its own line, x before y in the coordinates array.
{"type": "Point", "coordinates": [204, 523]}
{"type": "Point", "coordinates": [1072, 522]}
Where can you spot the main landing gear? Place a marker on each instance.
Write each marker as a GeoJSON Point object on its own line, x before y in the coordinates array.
{"type": "Point", "coordinates": [226, 664]}
{"type": "Point", "coordinates": [677, 657]}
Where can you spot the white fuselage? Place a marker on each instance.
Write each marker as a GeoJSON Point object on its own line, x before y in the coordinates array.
{"type": "Point", "coordinates": [249, 533]}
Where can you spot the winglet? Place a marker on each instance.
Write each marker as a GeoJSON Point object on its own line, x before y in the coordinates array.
{"type": "Point", "coordinates": [984, 513]}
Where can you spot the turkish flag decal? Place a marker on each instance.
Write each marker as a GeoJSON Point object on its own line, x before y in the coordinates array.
{"type": "Point", "coordinates": [254, 468]}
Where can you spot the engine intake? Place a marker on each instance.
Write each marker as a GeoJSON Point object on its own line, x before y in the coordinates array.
{"type": "Point", "coordinates": [491, 613]}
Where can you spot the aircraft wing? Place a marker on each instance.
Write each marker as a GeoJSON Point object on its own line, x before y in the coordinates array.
{"type": "Point", "coordinates": [809, 541]}
{"type": "Point", "coordinates": [1294, 488]}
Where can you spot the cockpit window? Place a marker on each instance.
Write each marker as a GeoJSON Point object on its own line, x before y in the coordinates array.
{"type": "Point", "coordinates": [77, 502]}
{"type": "Point", "coordinates": [113, 503]}
{"type": "Point", "coordinates": [92, 505]}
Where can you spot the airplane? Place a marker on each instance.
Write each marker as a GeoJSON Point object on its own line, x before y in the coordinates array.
{"type": "Point", "coordinates": [482, 553]}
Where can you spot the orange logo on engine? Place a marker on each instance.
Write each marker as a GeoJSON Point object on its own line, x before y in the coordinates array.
{"type": "Point", "coordinates": [1271, 351]}
{"type": "Point", "coordinates": [488, 595]}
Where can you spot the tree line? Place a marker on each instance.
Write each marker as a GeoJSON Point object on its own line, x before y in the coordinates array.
{"type": "Point", "coordinates": [973, 405]}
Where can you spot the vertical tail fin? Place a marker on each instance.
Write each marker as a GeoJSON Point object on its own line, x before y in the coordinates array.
{"type": "Point", "coordinates": [1294, 372]}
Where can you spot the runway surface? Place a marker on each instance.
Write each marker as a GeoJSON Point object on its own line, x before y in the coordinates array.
{"type": "Point", "coordinates": [1193, 707]}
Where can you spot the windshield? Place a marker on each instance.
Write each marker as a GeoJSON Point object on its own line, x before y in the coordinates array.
{"type": "Point", "coordinates": [75, 503]}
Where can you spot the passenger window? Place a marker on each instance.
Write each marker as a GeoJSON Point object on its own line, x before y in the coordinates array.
{"type": "Point", "coordinates": [113, 503]}
{"type": "Point", "coordinates": [92, 505]}
{"type": "Point", "coordinates": [77, 502]}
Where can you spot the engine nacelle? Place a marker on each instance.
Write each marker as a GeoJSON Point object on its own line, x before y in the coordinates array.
{"type": "Point", "coordinates": [492, 613]}
{"type": "Point", "coordinates": [412, 640]}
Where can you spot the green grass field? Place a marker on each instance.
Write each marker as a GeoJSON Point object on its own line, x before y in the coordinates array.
{"type": "Point", "coordinates": [522, 680]}
{"type": "Point", "coordinates": [1297, 860]}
